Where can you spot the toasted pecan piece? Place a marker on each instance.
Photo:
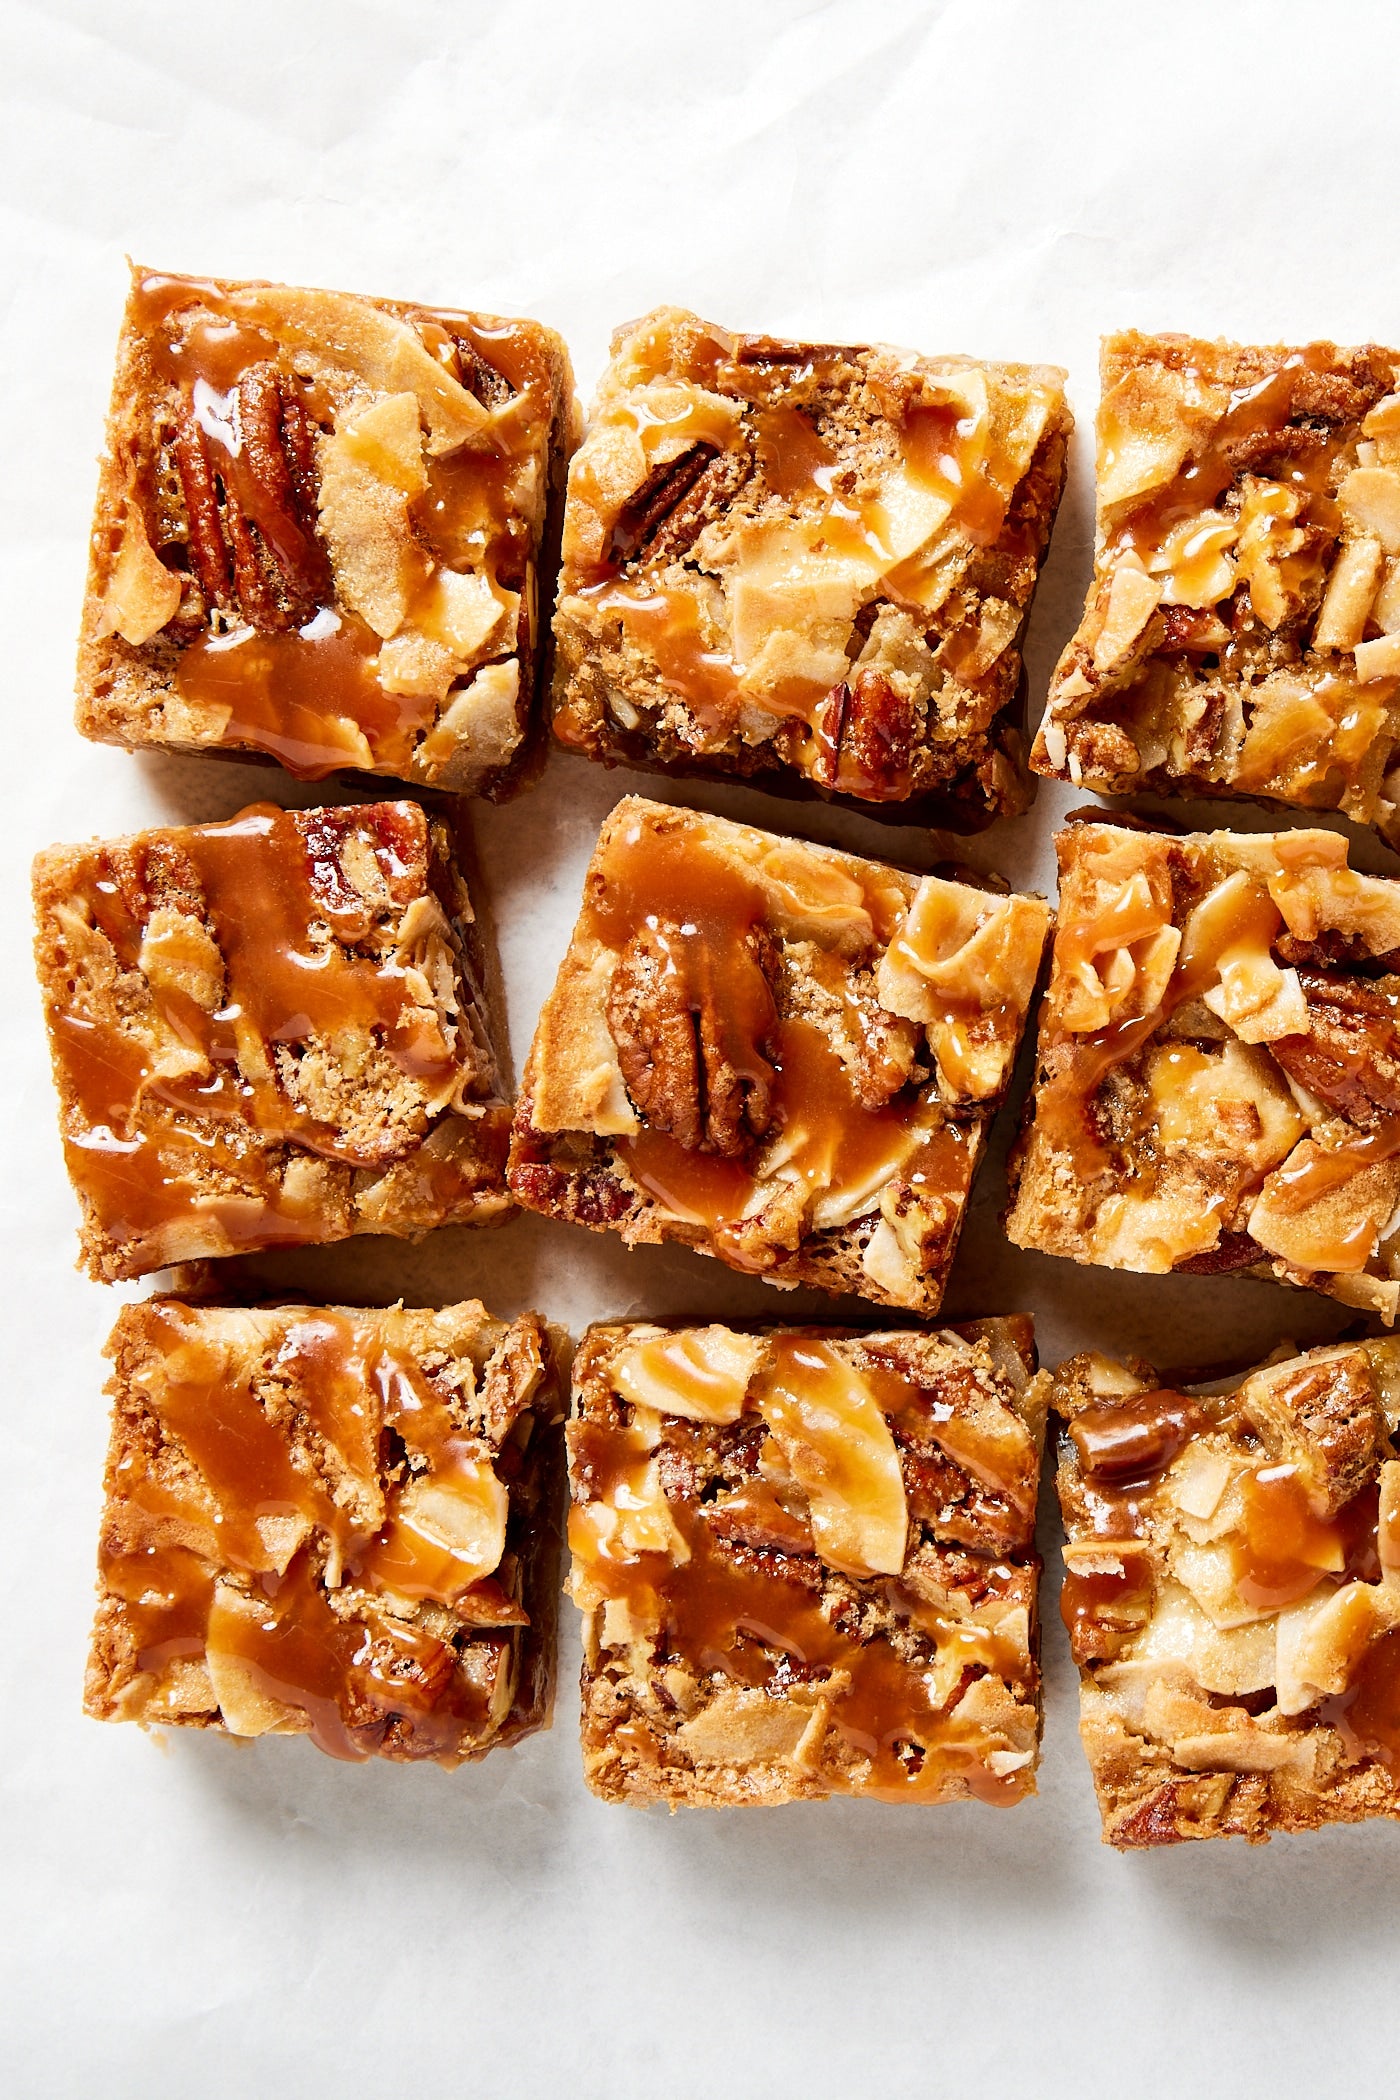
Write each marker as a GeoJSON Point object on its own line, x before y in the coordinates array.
{"type": "Point", "coordinates": [1350, 1056]}
{"type": "Point", "coordinates": [691, 1047]}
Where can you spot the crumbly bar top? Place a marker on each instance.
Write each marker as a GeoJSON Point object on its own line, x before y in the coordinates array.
{"type": "Point", "coordinates": [1242, 634]}
{"type": "Point", "coordinates": [1232, 1592]}
{"type": "Point", "coordinates": [330, 1522]}
{"type": "Point", "coordinates": [267, 1031]}
{"type": "Point", "coordinates": [806, 1562]}
{"type": "Point", "coordinates": [782, 1053]}
{"type": "Point", "coordinates": [1219, 1063]}
{"type": "Point", "coordinates": [318, 529]}
{"type": "Point", "coordinates": [808, 557]}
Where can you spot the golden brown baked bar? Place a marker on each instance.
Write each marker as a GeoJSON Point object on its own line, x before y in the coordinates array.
{"type": "Point", "coordinates": [806, 1562]}
{"type": "Point", "coordinates": [1242, 632]}
{"type": "Point", "coordinates": [318, 531]}
{"type": "Point", "coordinates": [332, 1522]}
{"type": "Point", "coordinates": [1232, 1591]}
{"type": "Point", "coordinates": [808, 565]}
{"type": "Point", "coordinates": [269, 1032]}
{"type": "Point", "coordinates": [1218, 1070]}
{"type": "Point", "coordinates": [776, 1053]}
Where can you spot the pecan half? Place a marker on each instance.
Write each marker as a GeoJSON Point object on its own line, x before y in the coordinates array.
{"type": "Point", "coordinates": [866, 733]}
{"type": "Point", "coordinates": [251, 508]}
{"type": "Point", "coordinates": [709, 494]}
{"type": "Point", "coordinates": [657, 497]}
{"type": "Point", "coordinates": [1350, 1056]}
{"type": "Point", "coordinates": [691, 1029]}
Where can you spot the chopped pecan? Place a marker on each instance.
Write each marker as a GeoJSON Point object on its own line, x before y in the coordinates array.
{"type": "Point", "coordinates": [480, 378]}
{"type": "Point", "coordinates": [707, 496]}
{"type": "Point", "coordinates": [1233, 1250]}
{"type": "Point", "coordinates": [647, 507]}
{"type": "Point", "coordinates": [1350, 1056]}
{"type": "Point", "coordinates": [250, 510]}
{"type": "Point", "coordinates": [690, 1030]}
{"type": "Point", "coordinates": [804, 1569]}
{"type": "Point", "coordinates": [954, 1505]}
{"type": "Point", "coordinates": [865, 734]}
{"type": "Point", "coordinates": [773, 350]}
{"type": "Point", "coordinates": [1326, 1421]}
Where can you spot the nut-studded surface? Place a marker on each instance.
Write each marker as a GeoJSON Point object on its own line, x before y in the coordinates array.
{"type": "Point", "coordinates": [808, 564]}
{"type": "Point", "coordinates": [776, 1053]}
{"type": "Point", "coordinates": [1232, 1591]}
{"type": "Point", "coordinates": [318, 531]}
{"type": "Point", "coordinates": [1242, 633]}
{"type": "Point", "coordinates": [270, 1032]}
{"type": "Point", "coordinates": [1218, 1082]}
{"type": "Point", "coordinates": [806, 1562]}
{"type": "Point", "coordinates": [331, 1521]}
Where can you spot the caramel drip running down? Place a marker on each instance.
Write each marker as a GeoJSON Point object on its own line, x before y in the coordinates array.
{"type": "Point", "coordinates": [347, 1673]}
{"type": "Point", "coordinates": [268, 880]}
{"type": "Point", "coordinates": [311, 696]}
{"type": "Point", "coordinates": [756, 1627]}
{"type": "Point", "coordinates": [828, 1140]}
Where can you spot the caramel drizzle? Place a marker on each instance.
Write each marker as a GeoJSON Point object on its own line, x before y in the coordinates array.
{"type": "Point", "coordinates": [1062, 1110]}
{"type": "Point", "coordinates": [799, 465]}
{"type": "Point", "coordinates": [309, 695]}
{"type": "Point", "coordinates": [761, 1629]}
{"type": "Point", "coordinates": [267, 880]}
{"type": "Point", "coordinates": [1281, 1553]}
{"type": "Point", "coordinates": [348, 1675]}
{"type": "Point", "coordinates": [667, 881]}
{"type": "Point", "coordinates": [1254, 411]}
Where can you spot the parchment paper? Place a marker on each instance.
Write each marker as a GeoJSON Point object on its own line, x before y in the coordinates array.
{"type": "Point", "coordinates": [1004, 179]}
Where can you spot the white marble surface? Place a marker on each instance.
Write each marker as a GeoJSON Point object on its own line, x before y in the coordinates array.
{"type": "Point", "coordinates": [1002, 178]}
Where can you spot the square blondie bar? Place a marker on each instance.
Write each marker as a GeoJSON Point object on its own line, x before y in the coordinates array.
{"type": "Point", "coordinates": [1218, 1068]}
{"type": "Point", "coordinates": [808, 565]}
{"type": "Point", "coordinates": [334, 1522]}
{"type": "Point", "coordinates": [318, 531]}
{"type": "Point", "coordinates": [269, 1032]}
{"type": "Point", "coordinates": [1232, 1591]}
{"type": "Point", "coordinates": [806, 1562]}
{"type": "Point", "coordinates": [1242, 631]}
{"type": "Point", "coordinates": [777, 1053]}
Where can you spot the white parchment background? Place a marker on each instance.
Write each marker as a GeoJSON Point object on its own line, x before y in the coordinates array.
{"type": "Point", "coordinates": [1007, 179]}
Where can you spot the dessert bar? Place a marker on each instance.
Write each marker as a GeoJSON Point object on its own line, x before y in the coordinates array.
{"type": "Point", "coordinates": [1232, 1592]}
{"type": "Point", "coordinates": [1242, 631]}
{"type": "Point", "coordinates": [267, 1032]}
{"type": "Point", "coordinates": [1218, 1070]}
{"type": "Point", "coordinates": [808, 565]}
{"type": "Point", "coordinates": [806, 1562]}
{"type": "Point", "coordinates": [318, 531]}
{"type": "Point", "coordinates": [777, 1053]}
{"type": "Point", "coordinates": [332, 1522]}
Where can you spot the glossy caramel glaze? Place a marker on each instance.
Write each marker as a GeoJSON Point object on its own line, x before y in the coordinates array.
{"type": "Point", "coordinates": [734, 1590]}
{"type": "Point", "coordinates": [271, 653]}
{"type": "Point", "coordinates": [224, 998]}
{"type": "Point", "coordinates": [1231, 1591]}
{"type": "Point", "coordinates": [314, 1525]}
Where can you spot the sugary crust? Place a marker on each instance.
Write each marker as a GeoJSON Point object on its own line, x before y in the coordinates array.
{"type": "Point", "coordinates": [477, 733]}
{"type": "Point", "coordinates": [503, 1386]}
{"type": "Point", "coordinates": [1214, 1065]}
{"type": "Point", "coordinates": [663, 1720]}
{"type": "Point", "coordinates": [1239, 637]}
{"type": "Point", "coordinates": [1202, 1713]}
{"type": "Point", "coordinates": [349, 1128]}
{"type": "Point", "coordinates": [933, 1041]}
{"type": "Point", "coordinates": [844, 541]}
